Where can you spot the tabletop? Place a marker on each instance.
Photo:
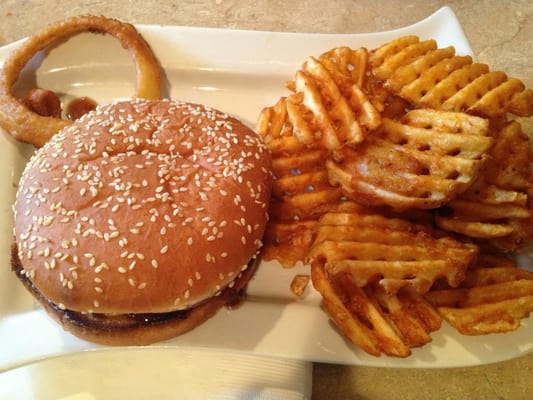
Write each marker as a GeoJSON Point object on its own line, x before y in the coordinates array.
{"type": "Point", "coordinates": [500, 35]}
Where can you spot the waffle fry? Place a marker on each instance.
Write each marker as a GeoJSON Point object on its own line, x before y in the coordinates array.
{"type": "Point", "coordinates": [432, 78]}
{"type": "Point", "coordinates": [423, 161]}
{"type": "Point", "coordinates": [393, 252]}
{"type": "Point", "coordinates": [350, 70]}
{"type": "Point", "coordinates": [328, 106]}
{"type": "Point", "coordinates": [299, 284]}
{"type": "Point", "coordinates": [272, 121]}
{"type": "Point", "coordinates": [288, 242]}
{"type": "Point", "coordinates": [301, 192]}
{"type": "Point", "coordinates": [301, 189]}
{"type": "Point", "coordinates": [347, 66]}
{"type": "Point", "coordinates": [408, 51]}
{"type": "Point", "coordinates": [498, 207]}
{"type": "Point", "coordinates": [406, 74]}
{"type": "Point", "coordinates": [493, 298]}
{"type": "Point", "coordinates": [377, 322]}
{"type": "Point", "coordinates": [388, 50]}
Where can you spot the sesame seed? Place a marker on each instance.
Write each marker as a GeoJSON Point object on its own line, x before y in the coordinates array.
{"type": "Point", "coordinates": [101, 267]}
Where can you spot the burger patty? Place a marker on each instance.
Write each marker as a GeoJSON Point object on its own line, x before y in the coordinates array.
{"type": "Point", "coordinates": [94, 324]}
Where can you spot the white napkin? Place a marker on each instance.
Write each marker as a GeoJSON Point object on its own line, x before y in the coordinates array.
{"type": "Point", "coordinates": [159, 373]}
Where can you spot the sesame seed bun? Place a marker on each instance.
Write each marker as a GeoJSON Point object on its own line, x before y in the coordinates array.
{"type": "Point", "coordinates": [141, 207]}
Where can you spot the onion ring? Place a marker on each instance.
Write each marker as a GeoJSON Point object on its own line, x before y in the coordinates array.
{"type": "Point", "coordinates": [27, 126]}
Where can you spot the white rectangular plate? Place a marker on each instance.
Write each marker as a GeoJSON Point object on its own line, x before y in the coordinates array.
{"type": "Point", "coordinates": [239, 72]}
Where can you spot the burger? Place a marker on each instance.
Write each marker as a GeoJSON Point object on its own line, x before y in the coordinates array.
{"type": "Point", "coordinates": [142, 219]}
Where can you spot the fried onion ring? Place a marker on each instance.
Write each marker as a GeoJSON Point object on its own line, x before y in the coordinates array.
{"type": "Point", "coordinates": [27, 126]}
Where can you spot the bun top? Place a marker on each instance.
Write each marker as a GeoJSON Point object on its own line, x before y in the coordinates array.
{"type": "Point", "coordinates": [142, 206]}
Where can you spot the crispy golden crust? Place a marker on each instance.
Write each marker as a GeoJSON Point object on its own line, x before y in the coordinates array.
{"type": "Point", "coordinates": [27, 126]}
{"type": "Point", "coordinates": [428, 76]}
{"type": "Point", "coordinates": [327, 105]}
{"type": "Point", "coordinates": [394, 252]}
{"type": "Point", "coordinates": [493, 298]}
{"type": "Point", "coordinates": [300, 190]}
{"type": "Point", "coordinates": [379, 323]}
{"type": "Point", "coordinates": [498, 207]}
{"type": "Point", "coordinates": [422, 161]}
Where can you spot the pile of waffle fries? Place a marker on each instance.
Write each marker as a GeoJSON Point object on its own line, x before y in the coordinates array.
{"type": "Point", "coordinates": [404, 179]}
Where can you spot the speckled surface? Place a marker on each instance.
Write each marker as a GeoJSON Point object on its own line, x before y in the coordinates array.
{"type": "Point", "coordinates": [500, 33]}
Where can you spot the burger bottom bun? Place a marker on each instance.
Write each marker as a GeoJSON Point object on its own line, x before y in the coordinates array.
{"type": "Point", "coordinates": [135, 329]}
